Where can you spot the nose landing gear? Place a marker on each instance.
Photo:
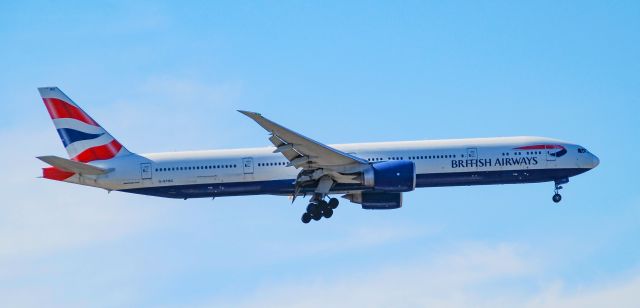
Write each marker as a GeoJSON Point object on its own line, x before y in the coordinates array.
{"type": "Point", "coordinates": [557, 197]}
{"type": "Point", "coordinates": [318, 209]}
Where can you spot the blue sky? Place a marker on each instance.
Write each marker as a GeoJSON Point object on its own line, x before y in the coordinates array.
{"type": "Point", "coordinates": [164, 76]}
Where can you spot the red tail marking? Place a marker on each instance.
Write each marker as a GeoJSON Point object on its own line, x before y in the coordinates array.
{"type": "Point", "coordinates": [54, 173]}
{"type": "Point", "coordinates": [105, 151]}
{"type": "Point", "coordinates": [59, 109]}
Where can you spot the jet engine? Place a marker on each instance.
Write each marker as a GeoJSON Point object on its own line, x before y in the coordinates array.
{"type": "Point", "coordinates": [376, 200]}
{"type": "Point", "coordinates": [391, 176]}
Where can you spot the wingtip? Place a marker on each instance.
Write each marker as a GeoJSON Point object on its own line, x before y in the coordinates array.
{"type": "Point", "coordinates": [249, 113]}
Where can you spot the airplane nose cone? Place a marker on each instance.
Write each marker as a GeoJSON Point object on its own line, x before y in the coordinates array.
{"type": "Point", "coordinates": [595, 161]}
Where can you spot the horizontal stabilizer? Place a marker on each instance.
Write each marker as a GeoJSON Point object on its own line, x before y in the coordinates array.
{"type": "Point", "coordinates": [73, 166]}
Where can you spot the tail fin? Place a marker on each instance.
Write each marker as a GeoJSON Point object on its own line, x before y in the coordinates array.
{"type": "Point", "coordinates": [83, 138]}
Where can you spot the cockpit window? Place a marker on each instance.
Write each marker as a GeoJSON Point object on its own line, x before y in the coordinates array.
{"type": "Point", "coordinates": [582, 150]}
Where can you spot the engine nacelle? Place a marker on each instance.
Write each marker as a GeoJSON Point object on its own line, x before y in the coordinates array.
{"type": "Point", "coordinates": [376, 200]}
{"type": "Point", "coordinates": [391, 176]}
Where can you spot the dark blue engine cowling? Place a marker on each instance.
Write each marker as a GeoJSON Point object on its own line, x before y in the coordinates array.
{"type": "Point", "coordinates": [380, 200]}
{"type": "Point", "coordinates": [392, 176]}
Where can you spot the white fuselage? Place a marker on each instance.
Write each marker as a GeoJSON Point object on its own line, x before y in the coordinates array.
{"type": "Point", "coordinates": [260, 171]}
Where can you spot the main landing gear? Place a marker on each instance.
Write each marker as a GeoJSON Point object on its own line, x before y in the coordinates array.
{"type": "Point", "coordinates": [557, 197]}
{"type": "Point", "coordinates": [319, 208]}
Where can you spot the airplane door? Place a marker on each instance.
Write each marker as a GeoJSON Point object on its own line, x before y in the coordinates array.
{"type": "Point", "coordinates": [145, 171]}
{"type": "Point", "coordinates": [551, 159]}
{"type": "Point", "coordinates": [247, 165]}
{"type": "Point", "coordinates": [549, 156]}
{"type": "Point", "coordinates": [472, 153]}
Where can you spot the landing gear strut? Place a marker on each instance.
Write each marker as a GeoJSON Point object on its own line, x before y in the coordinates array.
{"type": "Point", "coordinates": [318, 208]}
{"type": "Point", "coordinates": [556, 196]}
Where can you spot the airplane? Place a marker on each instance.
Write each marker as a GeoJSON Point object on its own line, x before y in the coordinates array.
{"type": "Point", "coordinates": [373, 175]}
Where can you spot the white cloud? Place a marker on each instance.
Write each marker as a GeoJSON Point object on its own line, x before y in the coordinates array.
{"type": "Point", "coordinates": [469, 275]}
{"type": "Point", "coordinates": [441, 281]}
{"type": "Point", "coordinates": [40, 217]}
{"type": "Point", "coordinates": [43, 222]}
{"type": "Point", "coordinates": [351, 239]}
{"type": "Point", "coordinates": [185, 111]}
{"type": "Point", "coordinates": [624, 292]}
{"type": "Point", "coordinates": [184, 91]}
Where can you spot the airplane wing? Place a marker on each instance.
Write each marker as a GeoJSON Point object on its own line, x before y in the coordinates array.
{"type": "Point", "coordinates": [322, 166]}
{"type": "Point", "coordinates": [301, 151]}
{"type": "Point", "coordinates": [72, 166]}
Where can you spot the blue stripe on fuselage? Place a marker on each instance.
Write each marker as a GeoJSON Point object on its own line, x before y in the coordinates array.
{"type": "Point", "coordinates": [285, 187]}
{"type": "Point", "coordinates": [70, 136]}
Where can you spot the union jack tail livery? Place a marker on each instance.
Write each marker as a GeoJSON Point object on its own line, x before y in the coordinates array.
{"type": "Point", "coordinates": [83, 138]}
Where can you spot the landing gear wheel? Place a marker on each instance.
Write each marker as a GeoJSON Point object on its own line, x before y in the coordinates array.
{"type": "Point", "coordinates": [333, 203]}
{"type": "Point", "coordinates": [327, 213]}
{"type": "Point", "coordinates": [314, 211]}
{"type": "Point", "coordinates": [319, 208]}
{"type": "Point", "coordinates": [306, 218]}
{"type": "Point", "coordinates": [311, 208]}
{"type": "Point", "coordinates": [556, 196]}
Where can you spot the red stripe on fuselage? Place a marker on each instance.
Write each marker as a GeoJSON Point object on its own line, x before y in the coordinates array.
{"type": "Point", "coordinates": [105, 151]}
{"type": "Point", "coordinates": [59, 109]}
{"type": "Point", "coordinates": [54, 173]}
{"type": "Point", "coordinates": [541, 147]}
